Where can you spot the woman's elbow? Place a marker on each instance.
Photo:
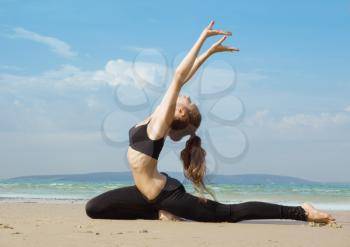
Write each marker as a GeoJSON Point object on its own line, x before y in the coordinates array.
{"type": "Point", "coordinates": [179, 77]}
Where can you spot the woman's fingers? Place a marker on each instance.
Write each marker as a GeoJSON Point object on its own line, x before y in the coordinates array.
{"type": "Point", "coordinates": [218, 32]}
{"type": "Point", "coordinates": [221, 48]}
{"type": "Point", "coordinates": [211, 24]}
{"type": "Point", "coordinates": [218, 47]}
{"type": "Point", "coordinates": [228, 48]}
{"type": "Point", "coordinates": [223, 32]}
{"type": "Point", "coordinates": [210, 32]}
{"type": "Point", "coordinates": [220, 41]}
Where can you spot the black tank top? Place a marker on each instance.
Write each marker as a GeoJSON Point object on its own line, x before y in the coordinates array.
{"type": "Point", "coordinates": [138, 140]}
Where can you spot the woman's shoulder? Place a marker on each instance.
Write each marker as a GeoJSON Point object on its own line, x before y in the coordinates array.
{"type": "Point", "coordinates": [145, 121]}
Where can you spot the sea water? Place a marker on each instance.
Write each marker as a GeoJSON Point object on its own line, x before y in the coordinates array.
{"type": "Point", "coordinates": [327, 196]}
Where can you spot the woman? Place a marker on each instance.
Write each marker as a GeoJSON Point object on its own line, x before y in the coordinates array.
{"type": "Point", "coordinates": [156, 195]}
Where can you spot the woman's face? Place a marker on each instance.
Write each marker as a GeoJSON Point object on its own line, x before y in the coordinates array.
{"type": "Point", "coordinates": [183, 107]}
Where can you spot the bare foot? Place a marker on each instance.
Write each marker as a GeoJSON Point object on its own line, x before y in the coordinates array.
{"type": "Point", "coordinates": [317, 216]}
{"type": "Point", "coordinates": [166, 216]}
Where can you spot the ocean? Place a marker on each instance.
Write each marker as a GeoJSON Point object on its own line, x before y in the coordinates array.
{"type": "Point", "coordinates": [232, 189]}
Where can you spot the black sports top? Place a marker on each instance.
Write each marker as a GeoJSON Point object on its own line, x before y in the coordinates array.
{"type": "Point", "coordinates": [138, 140]}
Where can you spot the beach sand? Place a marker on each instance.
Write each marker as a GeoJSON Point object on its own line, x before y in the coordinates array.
{"type": "Point", "coordinates": [65, 224]}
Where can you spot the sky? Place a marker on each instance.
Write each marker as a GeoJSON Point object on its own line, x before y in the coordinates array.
{"type": "Point", "coordinates": [76, 75]}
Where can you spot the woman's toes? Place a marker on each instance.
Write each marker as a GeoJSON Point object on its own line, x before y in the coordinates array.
{"type": "Point", "coordinates": [317, 216]}
{"type": "Point", "coordinates": [166, 216]}
{"type": "Point", "coordinates": [331, 218]}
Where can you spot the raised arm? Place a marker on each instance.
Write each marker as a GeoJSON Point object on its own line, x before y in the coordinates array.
{"type": "Point", "coordinates": [217, 47]}
{"type": "Point", "coordinates": [186, 64]}
{"type": "Point", "coordinates": [164, 113]}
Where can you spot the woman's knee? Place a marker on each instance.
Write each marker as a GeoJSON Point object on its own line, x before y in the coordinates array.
{"type": "Point", "coordinates": [92, 210]}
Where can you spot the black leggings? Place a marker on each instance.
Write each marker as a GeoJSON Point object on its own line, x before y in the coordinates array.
{"type": "Point", "coordinates": [130, 203]}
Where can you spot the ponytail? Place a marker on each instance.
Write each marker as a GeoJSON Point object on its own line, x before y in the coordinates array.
{"type": "Point", "coordinates": [193, 158]}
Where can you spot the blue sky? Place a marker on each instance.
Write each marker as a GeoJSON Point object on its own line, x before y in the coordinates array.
{"type": "Point", "coordinates": [60, 62]}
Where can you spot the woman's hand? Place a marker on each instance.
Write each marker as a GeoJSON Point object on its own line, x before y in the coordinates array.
{"type": "Point", "coordinates": [208, 31]}
{"type": "Point", "coordinates": [218, 47]}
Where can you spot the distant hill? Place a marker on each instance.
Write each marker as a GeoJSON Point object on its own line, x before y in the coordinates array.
{"type": "Point", "coordinates": [125, 177]}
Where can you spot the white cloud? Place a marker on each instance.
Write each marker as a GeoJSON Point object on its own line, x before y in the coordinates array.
{"type": "Point", "coordinates": [261, 115]}
{"type": "Point", "coordinates": [317, 120]}
{"type": "Point", "coordinates": [9, 67]}
{"type": "Point", "coordinates": [68, 77]}
{"type": "Point", "coordinates": [82, 86]}
{"type": "Point", "coordinates": [259, 118]}
{"type": "Point", "coordinates": [92, 102]}
{"type": "Point", "coordinates": [65, 77]}
{"type": "Point", "coordinates": [58, 46]}
{"type": "Point", "coordinates": [120, 71]}
{"type": "Point", "coordinates": [115, 72]}
{"type": "Point", "coordinates": [68, 97]}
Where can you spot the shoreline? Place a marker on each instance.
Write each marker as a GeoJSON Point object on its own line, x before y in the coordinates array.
{"type": "Point", "coordinates": [66, 224]}
{"type": "Point", "coordinates": [341, 207]}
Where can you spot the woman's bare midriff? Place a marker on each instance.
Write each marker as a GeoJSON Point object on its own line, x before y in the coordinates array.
{"type": "Point", "coordinates": [146, 176]}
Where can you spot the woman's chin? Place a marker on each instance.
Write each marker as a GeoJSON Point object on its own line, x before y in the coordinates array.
{"type": "Point", "coordinates": [176, 138]}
